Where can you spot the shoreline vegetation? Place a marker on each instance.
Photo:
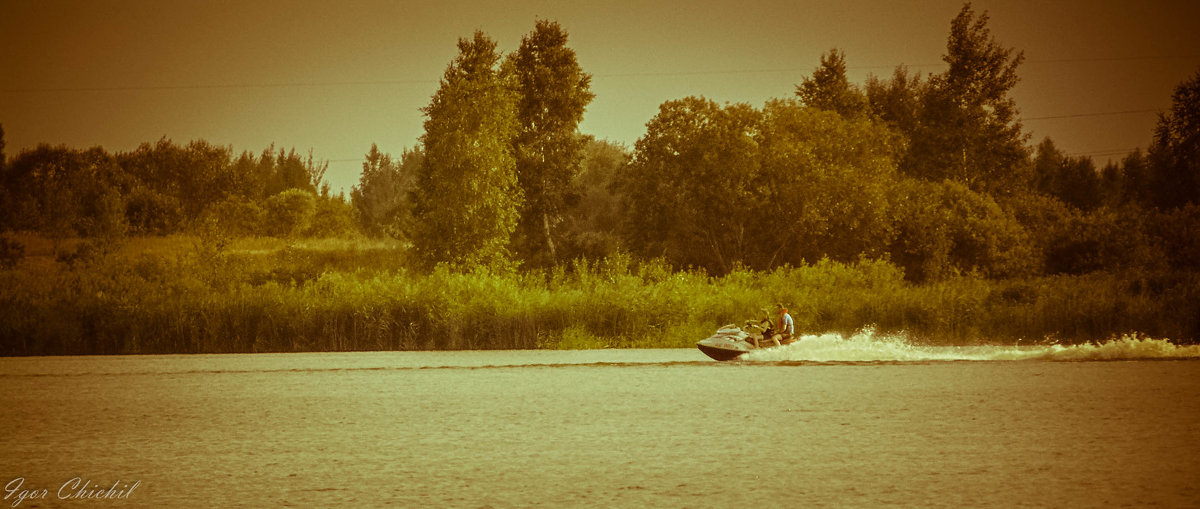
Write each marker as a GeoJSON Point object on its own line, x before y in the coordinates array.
{"type": "Point", "coordinates": [189, 294]}
{"type": "Point", "coordinates": [913, 205]}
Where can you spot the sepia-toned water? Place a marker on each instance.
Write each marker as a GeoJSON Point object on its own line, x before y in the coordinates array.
{"type": "Point", "coordinates": [828, 421]}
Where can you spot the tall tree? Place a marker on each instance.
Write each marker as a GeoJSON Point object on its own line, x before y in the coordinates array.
{"type": "Point", "coordinates": [468, 201]}
{"type": "Point", "coordinates": [829, 89]}
{"type": "Point", "coordinates": [554, 91]}
{"type": "Point", "coordinates": [1135, 177]}
{"type": "Point", "coordinates": [290, 171]}
{"type": "Point", "coordinates": [1047, 165]}
{"type": "Point", "coordinates": [382, 196]}
{"type": "Point", "coordinates": [824, 187]}
{"type": "Point", "coordinates": [722, 187]}
{"type": "Point", "coordinates": [692, 185]}
{"type": "Point", "coordinates": [968, 129]}
{"type": "Point", "coordinates": [1175, 153]}
{"type": "Point", "coordinates": [591, 219]}
{"type": "Point", "coordinates": [1112, 184]}
{"type": "Point", "coordinates": [1080, 183]}
{"type": "Point", "coordinates": [897, 101]}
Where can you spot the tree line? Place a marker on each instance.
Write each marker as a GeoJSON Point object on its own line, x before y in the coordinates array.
{"type": "Point", "coordinates": [164, 188]}
{"type": "Point", "coordinates": [933, 173]}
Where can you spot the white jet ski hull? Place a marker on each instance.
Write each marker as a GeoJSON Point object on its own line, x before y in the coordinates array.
{"type": "Point", "coordinates": [728, 343]}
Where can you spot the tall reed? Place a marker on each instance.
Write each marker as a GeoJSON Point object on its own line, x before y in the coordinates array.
{"type": "Point", "coordinates": [181, 298]}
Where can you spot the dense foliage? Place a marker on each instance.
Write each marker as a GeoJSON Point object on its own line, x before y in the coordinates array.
{"type": "Point", "coordinates": [467, 199]}
{"type": "Point", "coordinates": [194, 294]}
{"type": "Point", "coordinates": [923, 190]}
{"type": "Point", "coordinates": [166, 188]}
{"type": "Point", "coordinates": [554, 91]}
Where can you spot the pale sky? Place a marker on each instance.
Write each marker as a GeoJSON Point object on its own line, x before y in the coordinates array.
{"type": "Point", "coordinates": [337, 76]}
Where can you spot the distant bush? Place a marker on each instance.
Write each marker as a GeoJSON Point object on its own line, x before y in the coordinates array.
{"type": "Point", "coordinates": [237, 216]}
{"type": "Point", "coordinates": [1104, 239]}
{"type": "Point", "coordinates": [1179, 232]}
{"type": "Point", "coordinates": [149, 212]}
{"type": "Point", "coordinates": [63, 192]}
{"type": "Point", "coordinates": [290, 212]}
{"type": "Point", "coordinates": [102, 215]}
{"type": "Point", "coordinates": [1045, 218]}
{"type": "Point", "coordinates": [333, 218]}
{"type": "Point", "coordinates": [945, 228]}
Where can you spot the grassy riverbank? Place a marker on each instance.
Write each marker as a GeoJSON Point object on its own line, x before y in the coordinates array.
{"type": "Point", "coordinates": [186, 294]}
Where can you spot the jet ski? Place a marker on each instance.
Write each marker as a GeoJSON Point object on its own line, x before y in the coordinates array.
{"type": "Point", "coordinates": [731, 342]}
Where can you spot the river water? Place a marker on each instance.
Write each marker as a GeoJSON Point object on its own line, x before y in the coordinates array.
{"type": "Point", "coordinates": [829, 421]}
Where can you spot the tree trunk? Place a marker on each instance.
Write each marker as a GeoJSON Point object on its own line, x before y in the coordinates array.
{"type": "Point", "coordinates": [549, 240]}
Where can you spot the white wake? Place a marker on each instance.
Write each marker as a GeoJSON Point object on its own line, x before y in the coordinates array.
{"type": "Point", "coordinates": [869, 346]}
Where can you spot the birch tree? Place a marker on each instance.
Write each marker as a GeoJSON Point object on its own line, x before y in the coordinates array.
{"type": "Point", "coordinates": [467, 201]}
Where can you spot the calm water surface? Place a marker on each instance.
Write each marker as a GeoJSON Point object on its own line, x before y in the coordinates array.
{"type": "Point", "coordinates": [631, 428]}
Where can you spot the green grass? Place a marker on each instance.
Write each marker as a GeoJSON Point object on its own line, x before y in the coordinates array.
{"type": "Point", "coordinates": [186, 294]}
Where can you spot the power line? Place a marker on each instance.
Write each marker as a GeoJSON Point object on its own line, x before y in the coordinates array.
{"type": "Point", "coordinates": [872, 67]}
{"type": "Point", "coordinates": [1110, 152]}
{"type": "Point", "coordinates": [1109, 59]}
{"type": "Point", "coordinates": [313, 84]}
{"type": "Point", "coordinates": [225, 86]}
{"type": "Point", "coordinates": [1099, 114]}
{"type": "Point", "coordinates": [746, 71]}
{"type": "Point", "coordinates": [409, 82]}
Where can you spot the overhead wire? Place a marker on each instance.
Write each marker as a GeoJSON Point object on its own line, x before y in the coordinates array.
{"type": "Point", "coordinates": [1105, 152]}
{"type": "Point", "coordinates": [1097, 114]}
{"type": "Point", "coordinates": [601, 75]}
{"type": "Point", "coordinates": [316, 84]}
{"type": "Point", "coordinates": [313, 84]}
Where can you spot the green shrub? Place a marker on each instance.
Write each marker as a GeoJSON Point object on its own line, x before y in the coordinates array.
{"type": "Point", "coordinates": [290, 212]}
{"type": "Point", "coordinates": [255, 296]}
{"type": "Point", "coordinates": [333, 218]}
{"type": "Point", "coordinates": [1178, 231]}
{"type": "Point", "coordinates": [944, 229]}
{"type": "Point", "coordinates": [152, 213]}
{"type": "Point", "coordinates": [1104, 239]}
{"type": "Point", "coordinates": [237, 216]}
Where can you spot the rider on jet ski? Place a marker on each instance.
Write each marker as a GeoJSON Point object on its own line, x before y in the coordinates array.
{"type": "Point", "coordinates": [780, 332]}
